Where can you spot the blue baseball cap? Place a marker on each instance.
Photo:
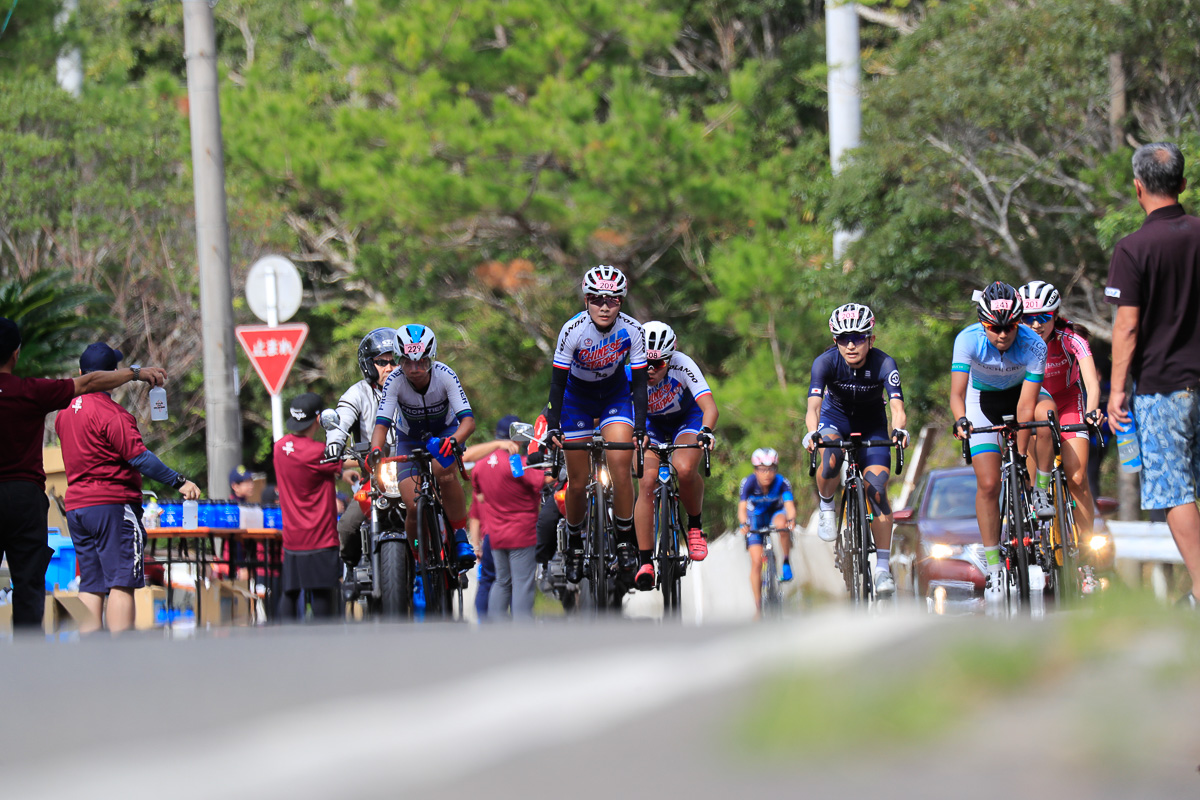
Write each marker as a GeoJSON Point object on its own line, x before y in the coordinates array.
{"type": "Point", "coordinates": [239, 474]}
{"type": "Point", "coordinates": [99, 357]}
{"type": "Point", "coordinates": [503, 425]}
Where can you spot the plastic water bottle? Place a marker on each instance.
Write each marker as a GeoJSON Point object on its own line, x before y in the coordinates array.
{"type": "Point", "coordinates": [152, 514]}
{"type": "Point", "coordinates": [514, 463]}
{"type": "Point", "coordinates": [1127, 446]}
{"type": "Point", "coordinates": [158, 404]}
{"type": "Point", "coordinates": [433, 446]}
{"type": "Point", "coordinates": [191, 515]}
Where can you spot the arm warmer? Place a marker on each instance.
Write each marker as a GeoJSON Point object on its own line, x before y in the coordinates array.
{"type": "Point", "coordinates": [149, 465]}
{"type": "Point", "coordinates": [638, 385]}
{"type": "Point", "coordinates": [558, 389]}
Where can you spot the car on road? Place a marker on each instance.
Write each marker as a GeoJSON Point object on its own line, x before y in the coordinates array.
{"type": "Point", "coordinates": [936, 539]}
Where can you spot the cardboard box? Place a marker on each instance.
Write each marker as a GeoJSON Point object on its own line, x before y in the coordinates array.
{"type": "Point", "coordinates": [147, 602]}
{"type": "Point", "coordinates": [236, 603]}
{"type": "Point", "coordinates": [65, 609]}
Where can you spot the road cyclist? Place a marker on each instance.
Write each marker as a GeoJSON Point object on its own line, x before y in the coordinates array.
{"type": "Point", "coordinates": [680, 411]}
{"type": "Point", "coordinates": [766, 502]}
{"type": "Point", "coordinates": [1070, 388]}
{"type": "Point", "coordinates": [847, 389]}
{"type": "Point", "coordinates": [424, 400]}
{"type": "Point", "coordinates": [589, 391]}
{"type": "Point", "coordinates": [996, 371]}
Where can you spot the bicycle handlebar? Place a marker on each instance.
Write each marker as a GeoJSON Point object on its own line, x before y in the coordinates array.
{"type": "Point", "coordinates": [846, 445]}
{"type": "Point", "coordinates": [600, 444]}
{"type": "Point", "coordinates": [1010, 426]}
{"type": "Point", "coordinates": [662, 450]}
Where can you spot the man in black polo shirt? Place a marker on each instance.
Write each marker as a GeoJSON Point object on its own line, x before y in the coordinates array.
{"type": "Point", "coordinates": [1154, 280]}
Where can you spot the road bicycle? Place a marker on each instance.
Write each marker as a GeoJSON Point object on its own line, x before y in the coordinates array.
{"type": "Point", "coordinates": [599, 541]}
{"type": "Point", "coordinates": [1019, 549]}
{"type": "Point", "coordinates": [855, 542]}
{"type": "Point", "coordinates": [670, 534]}
{"type": "Point", "coordinates": [772, 588]}
{"type": "Point", "coordinates": [1061, 546]}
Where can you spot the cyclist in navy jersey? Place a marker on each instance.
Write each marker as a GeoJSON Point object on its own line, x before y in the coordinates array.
{"type": "Point", "coordinates": [589, 390]}
{"type": "Point", "coordinates": [846, 395]}
{"type": "Point", "coordinates": [766, 501]}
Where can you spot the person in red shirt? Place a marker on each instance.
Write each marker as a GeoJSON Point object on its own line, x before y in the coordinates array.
{"type": "Point", "coordinates": [510, 521]}
{"type": "Point", "coordinates": [308, 501]}
{"type": "Point", "coordinates": [24, 404]}
{"type": "Point", "coordinates": [105, 460]}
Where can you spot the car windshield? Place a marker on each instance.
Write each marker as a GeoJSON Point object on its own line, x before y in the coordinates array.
{"type": "Point", "coordinates": [952, 497]}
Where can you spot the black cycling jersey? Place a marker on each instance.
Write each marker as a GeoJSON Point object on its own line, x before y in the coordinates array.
{"type": "Point", "coordinates": [855, 392]}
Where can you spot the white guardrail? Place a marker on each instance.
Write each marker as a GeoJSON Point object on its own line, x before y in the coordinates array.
{"type": "Point", "coordinates": [1144, 541]}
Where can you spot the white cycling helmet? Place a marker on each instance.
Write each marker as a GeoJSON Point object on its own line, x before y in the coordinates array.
{"type": "Point", "coordinates": [1039, 297]}
{"type": "Point", "coordinates": [764, 457]}
{"type": "Point", "coordinates": [605, 281]}
{"type": "Point", "coordinates": [660, 340]}
{"type": "Point", "coordinates": [851, 318]}
{"type": "Point", "coordinates": [415, 342]}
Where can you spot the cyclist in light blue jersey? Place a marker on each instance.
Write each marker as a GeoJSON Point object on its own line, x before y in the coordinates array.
{"type": "Point", "coordinates": [997, 370]}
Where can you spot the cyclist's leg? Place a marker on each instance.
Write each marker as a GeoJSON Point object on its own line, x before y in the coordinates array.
{"type": "Point", "coordinates": [408, 493]}
{"type": "Point", "coordinates": [453, 498]}
{"type": "Point", "coordinates": [691, 482]}
{"type": "Point", "coordinates": [829, 473]}
{"type": "Point", "coordinates": [779, 523]}
{"type": "Point", "coordinates": [985, 459]}
{"type": "Point", "coordinates": [987, 497]}
{"type": "Point", "coordinates": [1076, 451]}
{"type": "Point", "coordinates": [643, 511]}
{"type": "Point", "coordinates": [1042, 452]}
{"type": "Point", "coordinates": [407, 473]}
{"type": "Point", "coordinates": [881, 525]}
{"type": "Point", "coordinates": [620, 468]}
{"type": "Point", "coordinates": [578, 467]}
{"type": "Point", "coordinates": [754, 545]}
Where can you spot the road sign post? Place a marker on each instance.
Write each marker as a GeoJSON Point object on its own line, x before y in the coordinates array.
{"type": "Point", "coordinates": [273, 291]}
{"type": "Point", "coordinates": [272, 349]}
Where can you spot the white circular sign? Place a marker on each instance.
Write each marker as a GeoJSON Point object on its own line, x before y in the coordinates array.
{"type": "Point", "coordinates": [283, 274]}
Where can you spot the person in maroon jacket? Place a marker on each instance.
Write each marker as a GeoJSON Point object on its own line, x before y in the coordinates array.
{"type": "Point", "coordinates": [105, 459]}
{"type": "Point", "coordinates": [307, 497]}
{"type": "Point", "coordinates": [24, 404]}
{"type": "Point", "coordinates": [510, 521]}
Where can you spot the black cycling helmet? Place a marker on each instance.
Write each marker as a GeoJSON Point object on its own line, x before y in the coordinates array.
{"type": "Point", "coordinates": [381, 341]}
{"type": "Point", "coordinates": [999, 304]}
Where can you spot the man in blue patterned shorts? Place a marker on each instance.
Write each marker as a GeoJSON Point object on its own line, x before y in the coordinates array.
{"type": "Point", "coordinates": [1154, 281]}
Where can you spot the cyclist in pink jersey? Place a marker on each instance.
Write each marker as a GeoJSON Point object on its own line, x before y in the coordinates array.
{"type": "Point", "coordinates": [1073, 385]}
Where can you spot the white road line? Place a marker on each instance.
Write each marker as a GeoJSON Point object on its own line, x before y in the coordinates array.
{"type": "Point", "coordinates": [409, 738]}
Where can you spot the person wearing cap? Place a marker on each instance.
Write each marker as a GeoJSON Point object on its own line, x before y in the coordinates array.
{"type": "Point", "coordinates": [105, 459]}
{"type": "Point", "coordinates": [241, 484]}
{"type": "Point", "coordinates": [509, 521]}
{"type": "Point", "coordinates": [478, 534]}
{"type": "Point", "coordinates": [308, 501]}
{"type": "Point", "coordinates": [24, 403]}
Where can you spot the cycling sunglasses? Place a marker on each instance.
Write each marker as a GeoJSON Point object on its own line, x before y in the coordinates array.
{"type": "Point", "coordinates": [384, 362]}
{"type": "Point", "coordinates": [656, 363]}
{"type": "Point", "coordinates": [603, 302]}
{"type": "Point", "coordinates": [1000, 329]}
{"type": "Point", "coordinates": [1040, 319]}
{"type": "Point", "coordinates": [852, 338]}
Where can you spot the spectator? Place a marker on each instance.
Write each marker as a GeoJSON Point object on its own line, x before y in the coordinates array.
{"type": "Point", "coordinates": [510, 520]}
{"type": "Point", "coordinates": [1154, 280]}
{"type": "Point", "coordinates": [475, 528]}
{"type": "Point", "coordinates": [306, 495]}
{"type": "Point", "coordinates": [241, 485]}
{"type": "Point", "coordinates": [105, 460]}
{"type": "Point", "coordinates": [24, 403]}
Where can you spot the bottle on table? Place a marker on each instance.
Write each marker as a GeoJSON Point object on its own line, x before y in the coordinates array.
{"type": "Point", "coordinates": [191, 515]}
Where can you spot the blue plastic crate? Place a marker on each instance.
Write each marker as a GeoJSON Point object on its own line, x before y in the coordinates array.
{"type": "Point", "coordinates": [172, 515]}
{"type": "Point", "coordinates": [273, 517]}
{"type": "Point", "coordinates": [62, 564]}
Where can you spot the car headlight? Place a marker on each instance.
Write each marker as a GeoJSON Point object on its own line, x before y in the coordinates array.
{"type": "Point", "coordinates": [1099, 541]}
{"type": "Point", "coordinates": [389, 480]}
{"type": "Point", "coordinates": [939, 550]}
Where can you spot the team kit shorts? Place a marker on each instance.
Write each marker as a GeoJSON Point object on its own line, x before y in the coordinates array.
{"type": "Point", "coordinates": [583, 415]}
{"type": "Point", "coordinates": [840, 426]}
{"type": "Point", "coordinates": [985, 409]}
{"type": "Point", "coordinates": [110, 544]}
{"type": "Point", "coordinates": [667, 430]}
{"type": "Point", "coordinates": [406, 443]}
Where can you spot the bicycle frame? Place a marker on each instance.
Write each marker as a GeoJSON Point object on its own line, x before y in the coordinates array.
{"type": "Point", "coordinates": [668, 529]}
{"type": "Point", "coordinates": [1061, 536]}
{"type": "Point", "coordinates": [855, 542]}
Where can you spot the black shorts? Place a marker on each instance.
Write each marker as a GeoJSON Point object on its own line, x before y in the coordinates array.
{"type": "Point", "coordinates": [311, 569]}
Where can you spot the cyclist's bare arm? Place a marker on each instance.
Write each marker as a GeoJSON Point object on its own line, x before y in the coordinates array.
{"type": "Point", "coordinates": [708, 407]}
{"type": "Point", "coordinates": [741, 512]}
{"type": "Point", "coordinates": [812, 415]}
{"type": "Point", "coordinates": [789, 513]}
{"type": "Point", "coordinates": [379, 436]}
{"type": "Point", "coordinates": [958, 394]}
{"type": "Point", "coordinates": [465, 428]}
{"type": "Point", "coordinates": [899, 417]}
{"type": "Point", "coordinates": [1091, 382]}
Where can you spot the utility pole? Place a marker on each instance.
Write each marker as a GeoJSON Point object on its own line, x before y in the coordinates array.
{"type": "Point", "coordinates": [222, 416]}
{"type": "Point", "coordinates": [68, 67]}
{"type": "Point", "coordinates": [845, 100]}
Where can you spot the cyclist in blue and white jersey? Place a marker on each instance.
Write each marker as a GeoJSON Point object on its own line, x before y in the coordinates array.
{"type": "Point", "coordinates": [766, 501]}
{"type": "Point", "coordinates": [589, 390]}
{"type": "Point", "coordinates": [997, 371]}
{"type": "Point", "coordinates": [425, 399]}
{"type": "Point", "coordinates": [846, 395]}
{"type": "Point", "coordinates": [680, 410]}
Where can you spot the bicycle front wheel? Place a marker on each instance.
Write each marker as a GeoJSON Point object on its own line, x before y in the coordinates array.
{"type": "Point", "coordinates": [667, 540]}
{"type": "Point", "coordinates": [772, 602]}
{"type": "Point", "coordinates": [864, 543]}
{"type": "Point", "coordinates": [1018, 520]}
{"type": "Point", "coordinates": [1068, 588]}
{"type": "Point", "coordinates": [432, 549]}
{"type": "Point", "coordinates": [598, 557]}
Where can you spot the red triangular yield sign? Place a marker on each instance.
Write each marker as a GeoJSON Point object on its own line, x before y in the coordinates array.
{"type": "Point", "coordinates": [272, 351]}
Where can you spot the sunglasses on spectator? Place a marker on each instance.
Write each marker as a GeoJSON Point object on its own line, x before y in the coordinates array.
{"type": "Point", "coordinates": [384, 362]}
{"type": "Point", "coordinates": [603, 302]}
{"type": "Point", "coordinates": [1040, 319]}
{"type": "Point", "coordinates": [852, 338]}
{"type": "Point", "coordinates": [656, 363]}
{"type": "Point", "coordinates": [1000, 329]}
